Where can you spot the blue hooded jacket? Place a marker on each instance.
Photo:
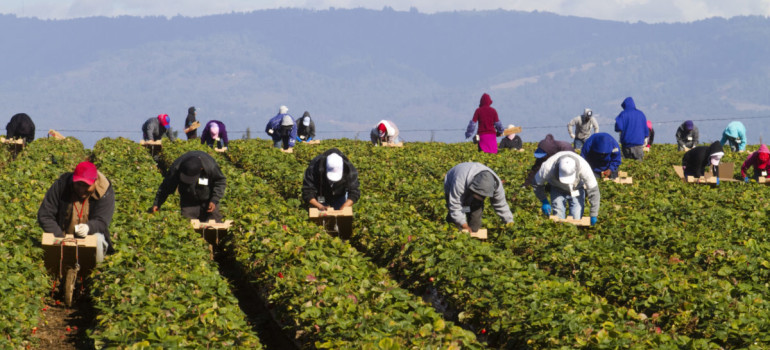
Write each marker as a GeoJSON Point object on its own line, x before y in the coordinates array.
{"type": "Point", "coordinates": [631, 124]}
{"type": "Point", "coordinates": [602, 152]}
{"type": "Point", "coordinates": [735, 130]}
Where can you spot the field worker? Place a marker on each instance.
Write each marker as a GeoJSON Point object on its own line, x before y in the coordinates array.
{"type": "Point", "coordinates": [273, 127]}
{"type": "Point", "coordinates": [602, 153]}
{"type": "Point", "coordinates": [80, 203]}
{"type": "Point", "coordinates": [154, 128]}
{"type": "Point", "coordinates": [20, 127]}
{"type": "Point", "coordinates": [579, 128]}
{"type": "Point", "coordinates": [201, 186]}
{"type": "Point", "coordinates": [571, 179]}
{"type": "Point", "coordinates": [695, 160]}
{"type": "Point", "coordinates": [305, 128]}
{"type": "Point", "coordinates": [466, 186]}
{"type": "Point", "coordinates": [489, 125]}
{"type": "Point", "coordinates": [735, 134]}
{"type": "Point", "coordinates": [192, 134]}
{"type": "Point", "coordinates": [760, 160]}
{"type": "Point", "coordinates": [511, 141]}
{"type": "Point", "coordinates": [384, 131]}
{"type": "Point", "coordinates": [651, 137]}
{"type": "Point", "coordinates": [331, 181]}
{"type": "Point", "coordinates": [215, 134]}
{"type": "Point", "coordinates": [632, 126]}
{"type": "Point", "coordinates": [546, 148]}
{"type": "Point", "coordinates": [687, 136]}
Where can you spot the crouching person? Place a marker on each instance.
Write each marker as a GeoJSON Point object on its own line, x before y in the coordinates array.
{"type": "Point", "coordinates": [466, 186]}
{"type": "Point", "coordinates": [331, 181]}
{"type": "Point", "coordinates": [201, 185]}
{"type": "Point", "coordinates": [571, 178]}
{"type": "Point", "coordinates": [80, 203]}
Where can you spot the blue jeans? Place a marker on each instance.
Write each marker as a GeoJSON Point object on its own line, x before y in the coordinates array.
{"type": "Point", "coordinates": [560, 198]}
{"type": "Point", "coordinates": [578, 143]}
{"type": "Point", "coordinates": [335, 203]}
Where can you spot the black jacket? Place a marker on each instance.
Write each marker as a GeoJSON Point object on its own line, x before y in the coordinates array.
{"type": "Point", "coordinates": [188, 121]}
{"type": "Point", "coordinates": [196, 194]}
{"type": "Point", "coordinates": [55, 211]}
{"type": "Point", "coordinates": [550, 146]}
{"type": "Point", "coordinates": [315, 182]}
{"type": "Point", "coordinates": [512, 144]}
{"type": "Point", "coordinates": [21, 126]}
{"type": "Point", "coordinates": [695, 160]}
{"type": "Point", "coordinates": [307, 131]}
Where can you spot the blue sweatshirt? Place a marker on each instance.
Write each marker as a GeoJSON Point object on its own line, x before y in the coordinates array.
{"type": "Point", "coordinates": [602, 152]}
{"type": "Point", "coordinates": [631, 124]}
{"type": "Point", "coordinates": [735, 130]}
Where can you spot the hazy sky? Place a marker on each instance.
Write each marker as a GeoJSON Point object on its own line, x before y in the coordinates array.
{"type": "Point", "coordinates": [620, 10]}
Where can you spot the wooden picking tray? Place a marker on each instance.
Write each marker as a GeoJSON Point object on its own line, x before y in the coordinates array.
{"type": "Point", "coordinates": [211, 231]}
{"type": "Point", "coordinates": [391, 144]}
{"type": "Point", "coordinates": [196, 124]}
{"type": "Point", "coordinates": [584, 221]}
{"type": "Point", "coordinates": [55, 134]}
{"type": "Point", "coordinates": [480, 234]}
{"type": "Point", "coordinates": [726, 171]}
{"type": "Point", "coordinates": [290, 150]}
{"type": "Point", "coordinates": [334, 221]}
{"type": "Point", "coordinates": [622, 178]}
{"type": "Point", "coordinates": [52, 251]}
{"type": "Point", "coordinates": [313, 142]}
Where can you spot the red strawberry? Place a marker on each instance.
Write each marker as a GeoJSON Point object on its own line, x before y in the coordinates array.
{"type": "Point", "coordinates": [280, 275]}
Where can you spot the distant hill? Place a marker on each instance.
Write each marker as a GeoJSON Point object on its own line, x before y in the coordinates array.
{"type": "Point", "coordinates": [351, 68]}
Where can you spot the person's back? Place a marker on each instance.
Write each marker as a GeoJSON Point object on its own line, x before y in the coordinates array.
{"type": "Point", "coordinates": [759, 160]}
{"type": "Point", "coordinates": [200, 183]}
{"type": "Point", "coordinates": [331, 179]}
{"type": "Point", "coordinates": [21, 126]}
{"type": "Point", "coordinates": [735, 134]}
{"type": "Point", "coordinates": [215, 134]}
{"type": "Point", "coordinates": [632, 125]}
{"type": "Point", "coordinates": [306, 127]}
{"type": "Point", "coordinates": [695, 160]}
{"type": "Point", "coordinates": [602, 152]}
{"type": "Point", "coordinates": [687, 135]}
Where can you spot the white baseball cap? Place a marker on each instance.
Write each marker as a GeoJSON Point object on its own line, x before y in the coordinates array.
{"type": "Point", "coordinates": [567, 170]}
{"type": "Point", "coordinates": [334, 167]}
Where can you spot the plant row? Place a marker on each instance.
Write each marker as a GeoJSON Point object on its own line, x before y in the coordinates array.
{"type": "Point", "coordinates": [160, 289]}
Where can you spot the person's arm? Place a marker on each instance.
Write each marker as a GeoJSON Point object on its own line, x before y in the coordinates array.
{"type": "Point", "coordinates": [220, 184]}
{"type": "Point", "coordinates": [500, 204]}
{"type": "Point", "coordinates": [539, 184]}
{"type": "Point", "coordinates": [293, 135]}
{"type": "Point", "coordinates": [471, 129]}
{"type": "Point", "coordinates": [499, 128]}
{"type": "Point", "coordinates": [517, 143]}
{"type": "Point", "coordinates": [168, 186]}
{"type": "Point", "coordinates": [594, 198]}
{"type": "Point", "coordinates": [615, 161]}
{"type": "Point", "coordinates": [680, 138]}
{"type": "Point", "coordinates": [595, 124]}
{"type": "Point", "coordinates": [455, 206]}
{"type": "Point", "coordinates": [724, 138]}
{"type": "Point", "coordinates": [571, 128]}
{"type": "Point", "coordinates": [311, 130]}
{"type": "Point", "coordinates": [695, 136]}
{"type": "Point", "coordinates": [309, 190]}
{"type": "Point", "coordinates": [744, 142]}
{"type": "Point", "coordinates": [100, 216]}
{"type": "Point", "coordinates": [46, 214]}
{"type": "Point", "coordinates": [747, 163]}
{"type": "Point", "coordinates": [170, 134]}
{"type": "Point", "coordinates": [354, 191]}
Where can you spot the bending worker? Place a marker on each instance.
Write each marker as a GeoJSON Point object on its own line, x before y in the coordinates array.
{"type": "Point", "coordinates": [277, 127]}
{"type": "Point", "coordinates": [305, 128]}
{"type": "Point", "coordinates": [546, 148]}
{"type": "Point", "coordinates": [571, 179]}
{"type": "Point", "coordinates": [466, 186]}
{"type": "Point", "coordinates": [153, 129]}
{"type": "Point", "coordinates": [201, 186]}
{"type": "Point", "coordinates": [697, 159]}
{"type": "Point", "coordinates": [80, 203]}
{"type": "Point", "coordinates": [384, 131]}
{"type": "Point", "coordinates": [735, 134]}
{"type": "Point", "coordinates": [215, 135]}
{"type": "Point", "coordinates": [331, 181]}
{"type": "Point", "coordinates": [760, 160]}
{"type": "Point", "coordinates": [579, 128]}
{"type": "Point", "coordinates": [687, 136]}
{"type": "Point", "coordinates": [602, 152]}
{"type": "Point", "coordinates": [20, 126]}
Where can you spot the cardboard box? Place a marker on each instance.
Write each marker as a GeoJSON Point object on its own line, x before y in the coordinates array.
{"type": "Point", "coordinates": [584, 221]}
{"type": "Point", "coordinates": [334, 221]}
{"type": "Point", "coordinates": [725, 174]}
{"type": "Point", "coordinates": [52, 253]}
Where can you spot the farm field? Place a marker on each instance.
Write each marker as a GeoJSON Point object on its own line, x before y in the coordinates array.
{"type": "Point", "coordinates": [669, 264]}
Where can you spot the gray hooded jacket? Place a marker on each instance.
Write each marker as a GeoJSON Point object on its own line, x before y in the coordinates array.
{"type": "Point", "coordinates": [579, 130]}
{"type": "Point", "coordinates": [456, 183]}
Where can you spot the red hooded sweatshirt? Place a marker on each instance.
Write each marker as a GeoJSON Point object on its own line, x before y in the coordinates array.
{"type": "Point", "coordinates": [486, 116]}
{"type": "Point", "coordinates": [759, 159]}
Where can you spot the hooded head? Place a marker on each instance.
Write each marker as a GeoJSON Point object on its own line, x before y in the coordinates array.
{"type": "Point", "coordinates": [191, 110]}
{"type": "Point", "coordinates": [306, 118]}
{"type": "Point", "coordinates": [214, 130]}
{"type": "Point", "coordinates": [716, 152]}
{"type": "Point", "coordinates": [283, 110]}
{"type": "Point", "coordinates": [628, 103]}
{"type": "Point", "coordinates": [190, 170]}
{"type": "Point", "coordinates": [483, 184]}
{"type": "Point", "coordinates": [164, 120]}
{"type": "Point", "coordinates": [486, 101]}
{"type": "Point", "coordinates": [764, 157]}
{"type": "Point", "coordinates": [649, 125]}
{"type": "Point", "coordinates": [688, 125]}
{"type": "Point", "coordinates": [546, 146]}
{"type": "Point", "coordinates": [587, 114]}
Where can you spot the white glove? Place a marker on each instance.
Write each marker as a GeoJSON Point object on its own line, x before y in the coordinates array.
{"type": "Point", "coordinates": [81, 230]}
{"type": "Point", "coordinates": [302, 137]}
{"type": "Point", "coordinates": [270, 131]}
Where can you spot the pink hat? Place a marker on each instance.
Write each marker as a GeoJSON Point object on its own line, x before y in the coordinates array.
{"type": "Point", "coordinates": [163, 119]}
{"type": "Point", "coordinates": [649, 124]}
{"type": "Point", "coordinates": [85, 172]}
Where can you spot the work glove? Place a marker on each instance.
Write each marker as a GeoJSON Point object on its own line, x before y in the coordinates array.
{"type": "Point", "coordinates": [746, 179]}
{"type": "Point", "coordinates": [270, 131]}
{"type": "Point", "coordinates": [546, 207]}
{"type": "Point", "coordinates": [717, 181]}
{"type": "Point", "coordinates": [302, 137]}
{"type": "Point", "coordinates": [593, 220]}
{"type": "Point", "coordinates": [81, 230]}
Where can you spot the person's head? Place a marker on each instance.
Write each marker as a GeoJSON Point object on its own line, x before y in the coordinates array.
{"type": "Point", "coordinates": [715, 153]}
{"type": "Point", "coordinates": [587, 114]}
{"type": "Point", "coordinates": [190, 170]}
{"type": "Point", "coordinates": [382, 129]}
{"type": "Point", "coordinates": [84, 179]}
{"type": "Point", "coordinates": [764, 158]}
{"type": "Point", "coordinates": [567, 170]}
{"type": "Point", "coordinates": [510, 136]}
{"type": "Point", "coordinates": [164, 120]}
{"type": "Point", "coordinates": [283, 109]}
{"type": "Point", "coordinates": [485, 101]}
{"type": "Point", "coordinates": [688, 125]}
{"type": "Point", "coordinates": [483, 185]}
{"type": "Point", "coordinates": [334, 167]}
{"type": "Point", "coordinates": [649, 125]}
{"type": "Point", "coordinates": [191, 110]}
{"type": "Point", "coordinates": [214, 130]}
{"type": "Point", "coordinates": [287, 121]}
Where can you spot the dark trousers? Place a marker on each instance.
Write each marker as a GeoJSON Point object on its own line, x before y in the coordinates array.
{"type": "Point", "coordinates": [335, 203]}
{"type": "Point", "coordinates": [633, 152]}
{"type": "Point", "coordinates": [473, 218]}
{"type": "Point", "coordinates": [200, 212]}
